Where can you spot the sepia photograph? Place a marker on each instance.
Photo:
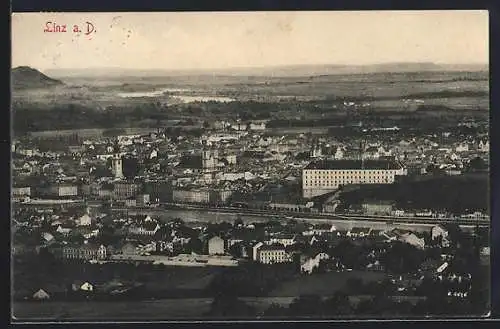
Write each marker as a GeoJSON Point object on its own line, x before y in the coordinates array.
{"type": "Point", "coordinates": [250, 166]}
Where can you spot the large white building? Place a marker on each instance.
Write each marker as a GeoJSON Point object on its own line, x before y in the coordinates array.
{"type": "Point", "coordinates": [216, 246]}
{"type": "Point", "coordinates": [271, 254]}
{"type": "Point", "coordinates": [325, 176]}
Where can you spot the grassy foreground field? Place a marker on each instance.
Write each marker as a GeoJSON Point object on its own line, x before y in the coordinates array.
{"type": "Point", "coordinates": [325, 284]}
{"type": "Point", "coordinates": [117, 311]}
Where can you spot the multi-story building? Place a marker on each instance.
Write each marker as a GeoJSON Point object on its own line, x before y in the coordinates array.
{"type": "Point", "coordinates": [130, 202]}
{"type": "Point", "coordinates": [158, 190]}
{"type": "Point", "coordinates": [325, 176]}
{"type": "Point", "coordinates": [142, 200]}
{"type": "Point", "coordinates": [204, 196]}
{"type": "Point", "coordinates": [191, 196]}
{"type": "Point", "coordinates": [272, 254]}
{"type": "Point", "coordinates": [311, 263]}
{"type": "Point", "coordinates": [123, 190]}
{"type": "Point", "coordinates": [283, 239]}
{"type": "Point", "coordinates": [21, 191]}
{"type": "Point", "coordinates": [380, 207]}
{"type": "Point", "coordinates": [60, 190]}
{"type": "Point", "coordinates": [86, 252]}
{"type": "Point", "coordinates": [216, 246]}
{"type": "Point", "coordinates": [209, 158]}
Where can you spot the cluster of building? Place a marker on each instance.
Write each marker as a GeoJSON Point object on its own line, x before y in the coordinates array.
{"type": "Point", "coordinates": [94, 235]}
{"type": "Point", "coordinates": [85, 237]}
{"type": "Point", "coordinates": [228, 165]}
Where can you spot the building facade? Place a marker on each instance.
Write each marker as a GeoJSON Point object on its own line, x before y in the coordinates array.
{"type": "Point", "coordinates": [21, 191]}
{"type": "Point", "coordinates": [209, 159]}
{"type": "Point", "coordinates": [216, 246]}
{"type": "Point", "coordinates": [325, 176]}
{"type": "Point", "coordinates": [272, 254]}
{"type": "Point", "coordinates": [84, 252]}
{"type": "Point", "coordinates": [311, 263]}
{"type": "Point", "coordinates": [142, 200]}
{"type": "Point", "coordinates": [204, 196]}
{"type": "Point", "coordinates": [60, 190]}
{"type": "Point", "coordinates": [123, 190]}
{"type": "Point", "coordinates": [377, 207]}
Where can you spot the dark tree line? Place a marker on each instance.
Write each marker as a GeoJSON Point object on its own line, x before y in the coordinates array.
{"type": "Point", "coordinates": [340, 306]}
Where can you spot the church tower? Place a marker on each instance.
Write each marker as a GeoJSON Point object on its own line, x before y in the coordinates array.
{"type": "Point", "coordinates": [316, 151]}
{"type": "Point", "coordinates": [208, 157]}
{"type": "Point", "coordinates": [117, 166]}
{"type": "Point", "coordinates": [117, 162]}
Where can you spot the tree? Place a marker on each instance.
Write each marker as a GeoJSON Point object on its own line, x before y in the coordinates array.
{"type": "Point", "coordinates": [380, 306]}
{"type": "Point", "coordinates": [403, 258]}
{"type": "Point", "coordinates": [238, 221]}
{"type": "Point", "coordinates": [338, 304]}
{"type": "Point", "coordinates": [476, 164]}
{"type": "Point", "coordinates": [130, 167]}
{"type": "Point", "coordinates": [276, 310]}
{"type": "Point", "coordinates": [302, 156]}
{"type": "Point", "coordinates": [351, 255]}
{"type": "Point", "coordinates": [195, 245]}
{"type": "Point", "coordinates": [235, 250]}
{"type": "Point", "coordinates": [307, 305]}
{"type": "Point", "coordinates": [76, 238]}
{"type": "Point", "coordinates": [230, 307]}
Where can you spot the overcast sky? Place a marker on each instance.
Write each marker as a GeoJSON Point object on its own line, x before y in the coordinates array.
{"type": "Point", "coordinates": [249, 39]}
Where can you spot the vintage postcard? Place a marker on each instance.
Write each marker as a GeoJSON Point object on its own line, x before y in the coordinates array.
{"type": "Point", "coordinates": [250, 166]}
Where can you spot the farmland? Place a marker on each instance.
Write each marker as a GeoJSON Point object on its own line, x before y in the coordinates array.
{"type": "Point", "coordinates": [77, 105]}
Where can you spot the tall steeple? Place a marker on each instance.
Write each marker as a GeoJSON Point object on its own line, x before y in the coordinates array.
{"type": "Point", "coordinates": [117, 162]}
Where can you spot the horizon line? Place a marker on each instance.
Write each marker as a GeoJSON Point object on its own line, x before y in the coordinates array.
{"type": "Point", "coordinates": [277, 66]}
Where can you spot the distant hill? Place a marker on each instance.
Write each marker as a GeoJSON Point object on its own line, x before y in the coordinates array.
{"type": "Point", "coordinates": [276, 71]}
{"type": "Point", "coordinates": [24, 77]}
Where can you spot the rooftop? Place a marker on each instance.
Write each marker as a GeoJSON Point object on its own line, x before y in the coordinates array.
{"type": "Point", "coordinates": [353, 164]}
{"type": "Point", "coordinates": [274, 246]}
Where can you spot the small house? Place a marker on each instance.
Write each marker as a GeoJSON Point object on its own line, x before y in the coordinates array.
{"type": "Point", "coordinates": [82, 286]}
{"type": "Point", "coordinates": [41, 295]}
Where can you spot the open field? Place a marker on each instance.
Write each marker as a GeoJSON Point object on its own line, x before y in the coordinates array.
{"type": "Point", "coordinates": [160, 310]}
{"type": "Point", "coordinates": [160, 280]}
{"type": "Point", "coordinates": [84, 133]}
{"type": "Point", "coordinates": [324, 284]}
{"type": "Point", "coordinates": [93, 91]}
{"type": "Point", "coordinates": [102, 311]}
{"type": "Point", "coordinates": [87, 103]}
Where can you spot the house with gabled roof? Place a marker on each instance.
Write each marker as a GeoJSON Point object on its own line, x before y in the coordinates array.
{"type": "Point", "coordinates": [41, 295]}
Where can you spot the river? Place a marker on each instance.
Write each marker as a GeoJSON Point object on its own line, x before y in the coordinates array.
{"type": "Point", "coordinates": [209, 216]}
{"type": "Point", "coordinates": [180, 97]}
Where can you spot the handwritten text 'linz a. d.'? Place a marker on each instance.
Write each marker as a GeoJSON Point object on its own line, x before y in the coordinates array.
{"type": "Point", "coordinates": [53, 27]}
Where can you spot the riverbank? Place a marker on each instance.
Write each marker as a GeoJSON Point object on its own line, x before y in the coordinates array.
{"type": "Point", "coordinates": [341, 222]}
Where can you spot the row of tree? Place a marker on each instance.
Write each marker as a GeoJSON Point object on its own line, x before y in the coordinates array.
{"type": "Point", "coordinates": [341, 306]}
